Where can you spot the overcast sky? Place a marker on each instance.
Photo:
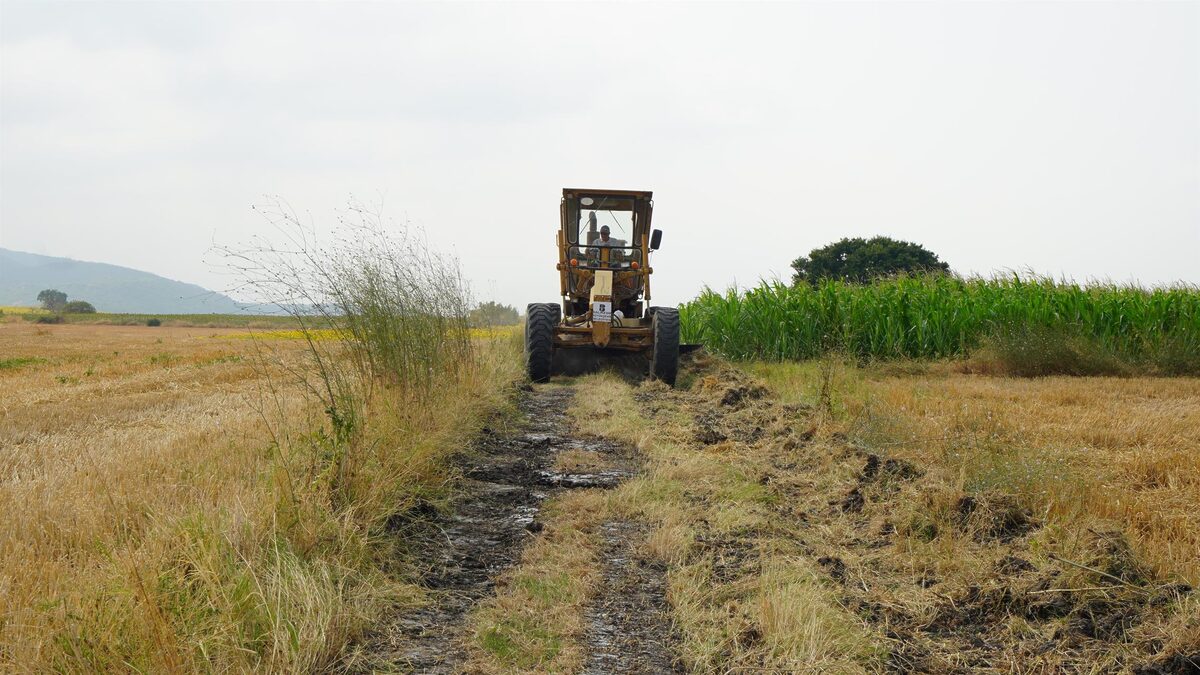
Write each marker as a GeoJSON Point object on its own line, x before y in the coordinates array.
{"type": "Point", "coordinates": [1062, 137]}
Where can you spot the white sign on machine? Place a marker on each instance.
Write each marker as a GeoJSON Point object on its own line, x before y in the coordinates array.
{"type": "Point", "coordinates": [602, 311]}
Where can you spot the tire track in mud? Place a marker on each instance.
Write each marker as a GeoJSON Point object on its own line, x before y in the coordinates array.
{"type": "Point", "coordinates": [506, 479]}
{"type": "Point", "coordinates": [629, 629]}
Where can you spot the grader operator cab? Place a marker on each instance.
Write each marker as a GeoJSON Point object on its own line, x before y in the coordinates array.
{"type": "Point", "coordinates": [604, 271]}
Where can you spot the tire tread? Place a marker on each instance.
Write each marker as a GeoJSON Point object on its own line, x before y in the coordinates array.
{"type": "Point", "coordinates": [664, 360]}
{"type": "Point", "coordinates": [540, 320]}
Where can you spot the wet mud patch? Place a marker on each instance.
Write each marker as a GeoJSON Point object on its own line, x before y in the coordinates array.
{"type": "Point", "coordinates": [506, 477]}
{"type": "Point", "coordinates": [708, 428]}
{"type": "Point", "coordinates": [732, 557]}
{"type": "Point", "coordinates": [888, 470]}
{"type": "Point", "coordinates": [878, 480]}
{"type": "Point", "coordinates": [736, 394]}
{"type": "Point", "coordinates": [629, 628]}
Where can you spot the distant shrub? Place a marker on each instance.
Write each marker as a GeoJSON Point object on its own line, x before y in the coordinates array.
{"type": "Point", "coordinates": [50, 318]}
{"type": "Point", "coordinates": [78, 307]}
{"type": "Point", "coordinates": [153, 322]}
{"type": "Point", "coordinates": [861, 261]}
{"type": "Point", "coordinates": [52, 299]}
{"type": "Point", "coordinates": [488, 314]}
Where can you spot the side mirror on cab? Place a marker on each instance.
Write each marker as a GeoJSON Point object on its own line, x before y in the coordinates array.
{"type": "Point", "coordinates": [655, 240]}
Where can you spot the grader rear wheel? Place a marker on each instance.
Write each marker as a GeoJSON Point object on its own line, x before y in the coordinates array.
{"type": "Point", "coordinates": [664, 360]}
{"type": "Point", "coordinates": [540, 320]}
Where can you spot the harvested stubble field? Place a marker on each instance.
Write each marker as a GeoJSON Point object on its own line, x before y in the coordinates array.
{"type": "Point", "coordinates": [111, 440]}
{"type": "Point", "coordinates": [171, 506]}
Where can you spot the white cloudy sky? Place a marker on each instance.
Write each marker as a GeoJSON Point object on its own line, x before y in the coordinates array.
{"type": "Point", "coordinates": [1062, 137]}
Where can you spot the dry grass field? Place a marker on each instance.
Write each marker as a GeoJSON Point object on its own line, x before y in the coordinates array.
{"type": "Point", "coordinates": [169, 507]}
{"type": "Point", "coordinates": [12, 314]}
{"type": "Point", "coordinates": [113, 440]}
{"type": "Point", "coordinates": [1042, 507]}
{"type": "Point", "coordinates": [1124, 450]}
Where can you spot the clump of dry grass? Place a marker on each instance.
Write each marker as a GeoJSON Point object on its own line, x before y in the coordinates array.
{"type": "Point", "coordinates": [1038, 351]}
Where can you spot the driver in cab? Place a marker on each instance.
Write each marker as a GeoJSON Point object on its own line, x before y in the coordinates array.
{"type": "Point", "coordinates": [607, 242]}
{"type": "Point", "coordinates": [604, 240]}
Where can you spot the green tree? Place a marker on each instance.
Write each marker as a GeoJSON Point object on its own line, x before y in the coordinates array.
{"type": "Point", "coordinates": [78, 307]}
{"type": "Point", "coordinates": [494, 314]}
{"type": "Point", "coordinates": [52, 299]}
{"type": "Point", "coordinates": [861, 260]}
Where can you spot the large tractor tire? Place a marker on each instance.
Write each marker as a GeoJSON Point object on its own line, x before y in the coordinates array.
{"type": "Point", "coordinates": [540, 320]}
{"type": "Point", "coordinates": [664, 359]}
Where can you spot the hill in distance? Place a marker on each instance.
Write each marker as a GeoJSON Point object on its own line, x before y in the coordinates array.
{"type": "Point", "coordinates": [110, 288]}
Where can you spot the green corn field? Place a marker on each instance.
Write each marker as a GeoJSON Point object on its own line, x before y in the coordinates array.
{"type": "Point", "coordinates": [939, 316]}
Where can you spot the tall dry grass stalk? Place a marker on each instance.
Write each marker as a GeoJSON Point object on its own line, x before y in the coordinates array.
{"type": "Point", "coordinates": [399, 308]}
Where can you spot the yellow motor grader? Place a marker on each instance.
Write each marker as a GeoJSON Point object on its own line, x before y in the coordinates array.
{"type": "Point", "coordinates": [604, 269]}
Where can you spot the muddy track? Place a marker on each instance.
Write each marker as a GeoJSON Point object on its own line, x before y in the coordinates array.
{"type": "Point", "coordinates": [629, 628]}
{"type": "Point", "coordinates": [506, 479]}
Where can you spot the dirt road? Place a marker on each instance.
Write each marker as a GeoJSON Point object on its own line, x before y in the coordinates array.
{"type": "Point", "coordinates": [507, 479]}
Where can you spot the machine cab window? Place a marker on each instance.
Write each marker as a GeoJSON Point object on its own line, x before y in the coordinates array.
{"type": "Point", "coordinates": [595, 222]}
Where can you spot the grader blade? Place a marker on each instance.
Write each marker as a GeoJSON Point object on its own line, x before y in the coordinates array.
{"type": "Point", "coordinates": [586, 360]}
